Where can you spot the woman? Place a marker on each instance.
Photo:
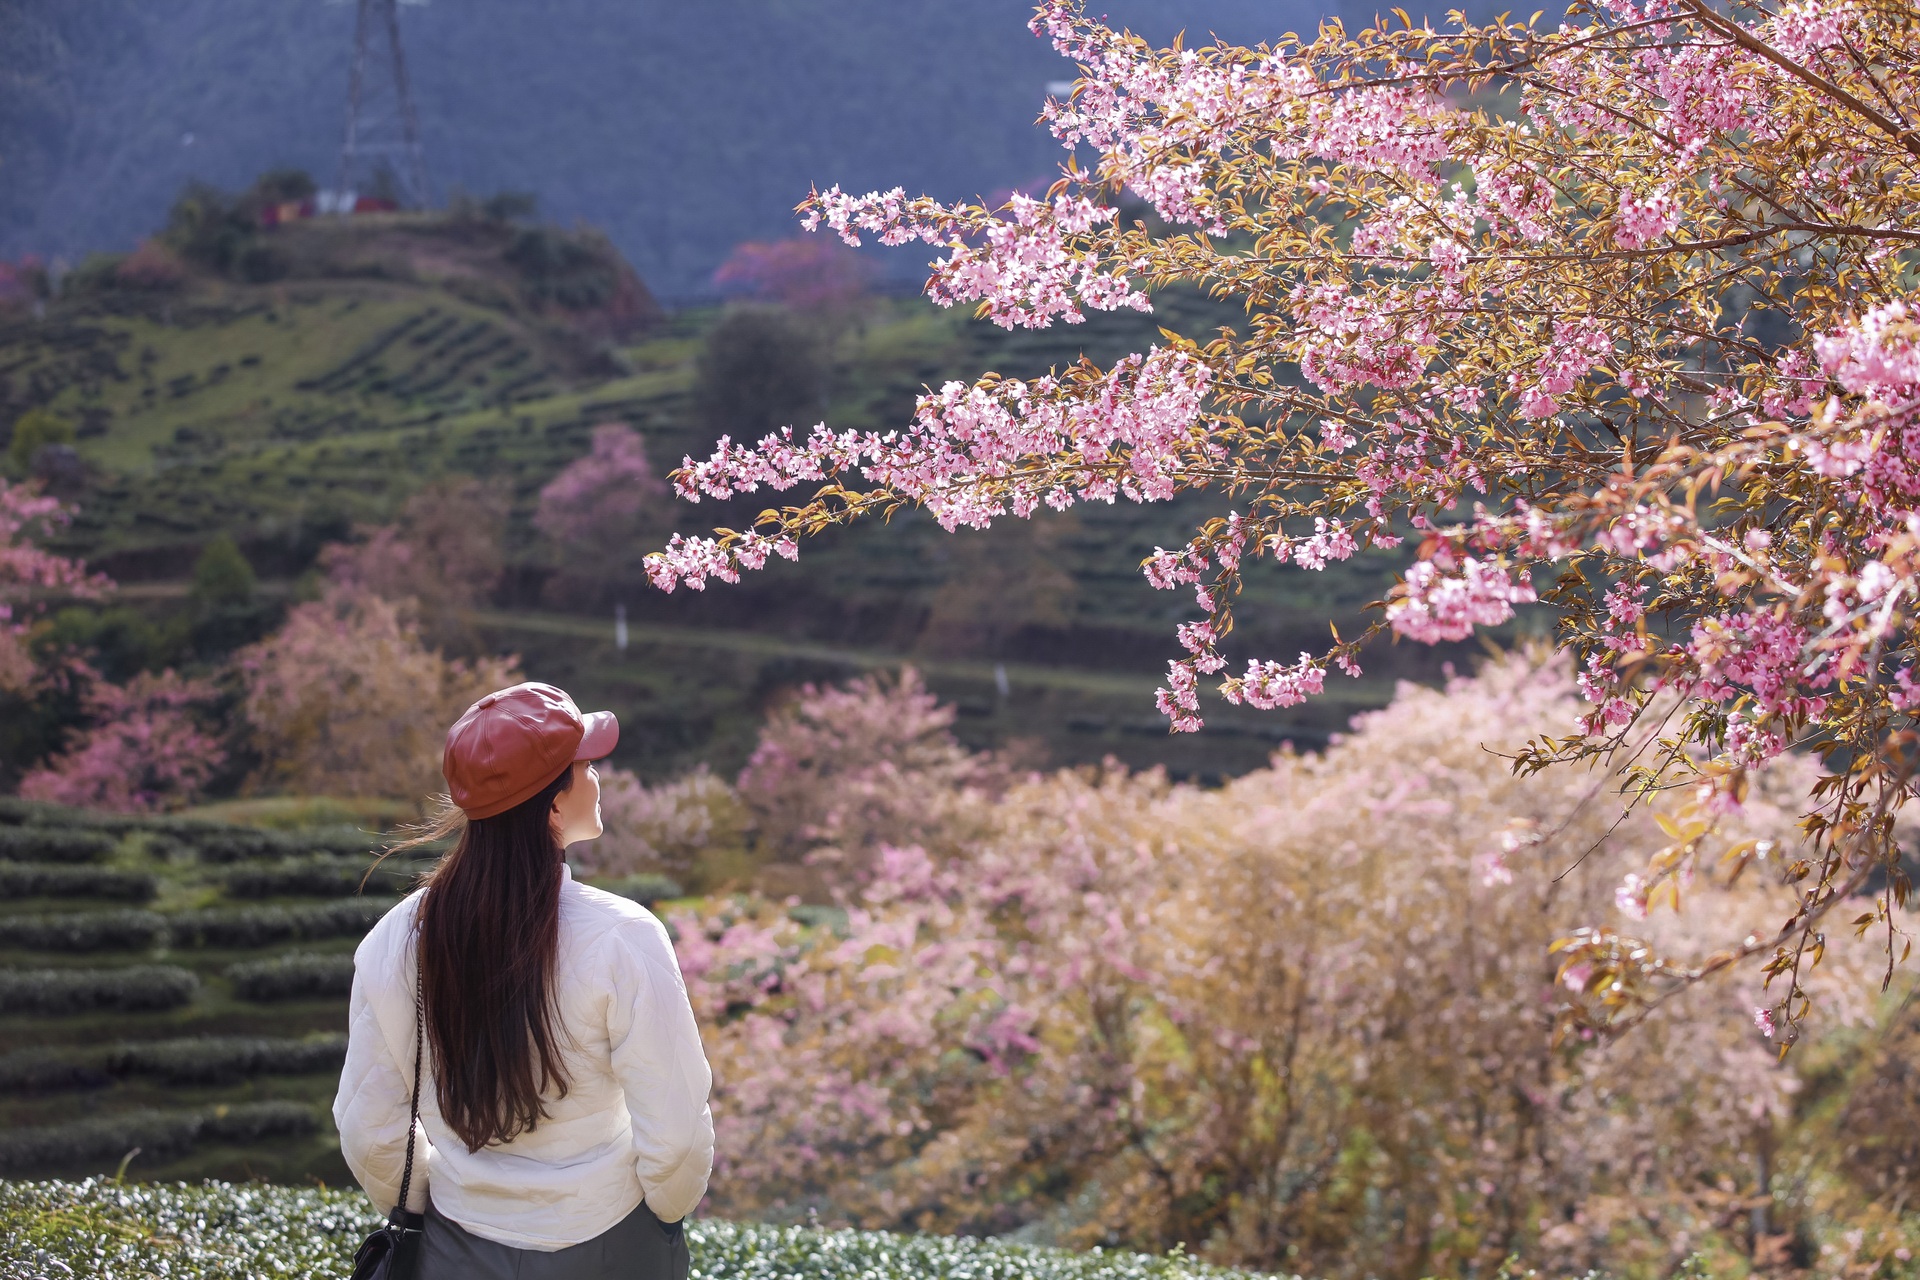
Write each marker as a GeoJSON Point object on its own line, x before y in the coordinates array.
{"type": "Point", "coordinates": [564, 1129]}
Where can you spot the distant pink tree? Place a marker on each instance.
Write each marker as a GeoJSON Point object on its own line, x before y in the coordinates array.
{"type": "Point", "coordinates": [29, 573]}
{"type": "Point", "coordinates": [347, 698]}
{"type": "Point", "coordinates": [443, 552]}
{"type": "Point", "coordinates": [151, 265]}
{"type": "Point", "coordinates": [21, 282]}
{"type": "Point", "coordinates": [145, 748]}
{"type": "Point", "coordinates": [600, 508]}
{"type": "Point", "coordinates": [840, 770]}
{"type": "Point", "coordinates": [804, 274]}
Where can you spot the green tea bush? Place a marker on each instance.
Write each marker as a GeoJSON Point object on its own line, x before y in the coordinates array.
{"type": "Point", "coordinates": [318, 877]}
{"type": "Point", "coordinates": [38, 813]}
{"type": "Point", "coordinates": [41, 1070]}
{"type": "Point", "coordinates": [235, 844]}
{"type": "Point", "coordinates": [199, 1060]}
{"type": "Point", "coordinates": [217, 1231]}
{"type": "Point", "coordinates": [83, 930]}
{"type": "Point", "coordinates": [264, 926]}
{"type": "Point", "coordinates": [53, 880]}
{"type": "Point", "coordinates": [158, 1134]}
{"type": "Point", "coordinates": [296, 976]}
{"type": "Point", "coordinates": [53, 844]}
{"type": "Point", "coordinates": [136, 989]}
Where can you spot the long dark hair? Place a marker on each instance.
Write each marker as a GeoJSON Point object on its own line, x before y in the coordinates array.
{"type": "Point", "coordinates": [489, 932]}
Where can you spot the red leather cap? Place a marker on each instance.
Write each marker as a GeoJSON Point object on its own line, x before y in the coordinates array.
{"type": "Point", "coordinates": [515, 741]}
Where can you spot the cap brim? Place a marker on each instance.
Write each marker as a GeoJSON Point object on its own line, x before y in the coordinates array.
{"type": "Point", "coordinates": [602, 736]}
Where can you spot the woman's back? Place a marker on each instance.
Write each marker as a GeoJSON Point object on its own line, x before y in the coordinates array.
{"type": "Point", "coordinates": [562, 1088]}
{"type": "Point", "coordinates": [632, 1124]}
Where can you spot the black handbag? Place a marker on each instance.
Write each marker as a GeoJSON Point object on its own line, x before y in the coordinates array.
{"type": "Point", "coordinates": [392, 1252]}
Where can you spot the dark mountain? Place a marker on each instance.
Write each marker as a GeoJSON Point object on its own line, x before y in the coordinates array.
{"type": "Point", "coordinates": [679, 128]}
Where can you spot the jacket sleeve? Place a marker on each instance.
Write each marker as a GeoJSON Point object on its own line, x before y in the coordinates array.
{"type": "Point", "coordinates": [661, 1066]}
{"type": "Point", "coordinates": [376, 1084]}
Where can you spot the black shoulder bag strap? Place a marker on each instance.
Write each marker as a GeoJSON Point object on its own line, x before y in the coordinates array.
{"type": "Point", "coordinates": [392, 1252]}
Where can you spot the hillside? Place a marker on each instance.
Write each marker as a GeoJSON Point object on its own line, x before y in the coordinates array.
{"type": "Point", "coordinates": [681, 129]}
{"type": "Point", "coordinates": [399, 348]}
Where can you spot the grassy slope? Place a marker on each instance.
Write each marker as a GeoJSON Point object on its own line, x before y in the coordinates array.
{"type": "Point", "coordinates": [283, 413]}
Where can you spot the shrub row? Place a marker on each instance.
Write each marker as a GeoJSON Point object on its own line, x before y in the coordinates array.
{"type": "Point", "coordinates": [227, 1059]}
{"type": "Point", "coordinates": [55, 880]}
{"type": "Point", "coordinates": [238, 844]}
{"type": "Point", "coordinates": [49, 1070]}
{"type": "Point", "coordinates": [53, 844]}
{"type": "Point", "coordinates": [295, 976]}
{"type": "Point", "coordinates": [264, 926]}
{"type": "Point", "coordinates": [191, 1060]}
{"type": "Point", "coordinates": [15, 812]}
{"type": "Point", "coordinates": [83, 930]}
{"type": "Point", "coordinates": [217, 927]}
{"type": "Point", "coordinates": [136, 989]}
{"type": "Point", "coordinates": [320, 877]}
{"type": "Point", "coordinates": [218, 1231]}
{"type": "Point", "coordinates": [158, 1134]}
{"type": "Point", "coordinates": [212, 841]}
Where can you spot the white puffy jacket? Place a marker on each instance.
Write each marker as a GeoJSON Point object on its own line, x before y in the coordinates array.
{"type": "Point", "coordinates": [634, 1124]}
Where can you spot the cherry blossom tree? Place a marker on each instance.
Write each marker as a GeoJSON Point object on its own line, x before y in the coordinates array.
{"type": "Point", "coordinates": [599, 508]}
{"type": "Point", "coordinates": [1610, 315]}
{"type": "Point", "coordinates": [346, 699]}
{"type": "Point", "coordinates": [30, 574]}
{"type": "Point", "coordinates": [147, 746]}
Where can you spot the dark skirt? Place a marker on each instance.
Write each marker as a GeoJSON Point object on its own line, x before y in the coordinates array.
{"type": "Point", "coordinates": [638, 1247]}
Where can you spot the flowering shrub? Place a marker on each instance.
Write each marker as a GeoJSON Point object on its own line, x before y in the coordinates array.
{"type": "Point", "coordinates": [1532, 296]}
{"type": "Point", "coordinates": [29, 572]}
{"type": "Point", "coordinates": [837, 771]}
{"type": "Point", "coordinates": [664, 828]}
{"type": "Point", "coordinates": [1273, 1021]}
{"type": "Point", "coordinates": [345, 699]}
{"type": "Point", "coordinates": [144, 749]}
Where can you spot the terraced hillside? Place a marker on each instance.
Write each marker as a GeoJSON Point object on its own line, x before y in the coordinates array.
{"type": "Point", "coordinates": [180, 987]}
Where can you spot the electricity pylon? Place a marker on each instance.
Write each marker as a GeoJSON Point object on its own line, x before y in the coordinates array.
{"type": "Point", "coordinates": [383, 134]}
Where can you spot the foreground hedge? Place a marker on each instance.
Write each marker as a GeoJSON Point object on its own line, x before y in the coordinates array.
{"type": "Point", "coordinates": [97, 1229]}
